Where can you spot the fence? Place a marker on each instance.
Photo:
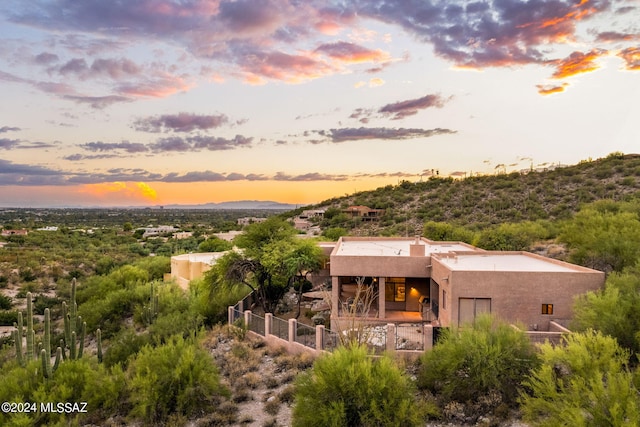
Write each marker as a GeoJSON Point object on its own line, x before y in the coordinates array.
{"type": "Point", "coordinates": [305, 335]}
{"type": "Point", "coordinates": [235, 314]}
{"type": "Point", "coordinates": [403, 337]}
{"type": "Point", "coordinates": [256, 324]}
{"type": "Point", "coordinates": [280, 328]}
{"type": "Point", "coordinates": [330, 340]}
{"type": "Point", "coordinates": [409, 337]}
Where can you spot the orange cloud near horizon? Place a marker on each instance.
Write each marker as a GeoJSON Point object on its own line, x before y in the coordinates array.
{"type": "Point", "coordinates": [551, 89]}
{"type": "Point", "coordinates": [129, 191]}
{"type": "Point", "coordinates": [578, 63]}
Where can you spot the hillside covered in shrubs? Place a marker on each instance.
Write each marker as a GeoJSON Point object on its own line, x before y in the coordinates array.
{"type": "Point", "coordinates": [482, 201]}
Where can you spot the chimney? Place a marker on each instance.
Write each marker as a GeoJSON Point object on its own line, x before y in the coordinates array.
{"type": "Point", "coordinates": [416, 248]}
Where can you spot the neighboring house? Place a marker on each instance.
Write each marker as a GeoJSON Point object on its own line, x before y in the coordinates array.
{"type": "Point", "coordinates": [158, 231]}
{"type": "Point", "coordinates": [48, 228]}
{"type": "Point", "coordinates": [301, 224]}
{"type": "Point", "coordinates": [312, 213]}
{"type": "Point", "coordinates": [182, 235]}
{"type": "Point", "coordinates": [450, 283]}
{"type": "Point", "coordinates": [304, 221]}
{"type": "Point", "coordinates": [250, 220]}
{"type": "Point", "coordinates": [22, 232]}
{"type": "Point", "coordinates": [186, 267]}
{"type": "Point", "coordinates": [228, 236]}
{"type": "Point", "coordinates": [363, 212]}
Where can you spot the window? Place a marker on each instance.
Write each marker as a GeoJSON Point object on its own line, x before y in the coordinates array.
{"type": "Point", "coordinates": [394, 289]}
{"type": "Point", "coordinates": [444, 299]}
{"type": "Point", "coordinates": [547, 308]}
{"type": "Point", "coordinates": [470, 308]}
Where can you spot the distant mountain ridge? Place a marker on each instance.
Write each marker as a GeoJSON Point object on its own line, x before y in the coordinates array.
{"type": "Point", "coordinates": [239, 204]}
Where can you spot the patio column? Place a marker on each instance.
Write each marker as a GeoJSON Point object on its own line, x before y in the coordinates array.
{"type": "Point", "coordinates": [268, 321]}
{"type": "Point", "coordinates": [335, 296]}
{"type": "Point", "coordinates": [381, 297]}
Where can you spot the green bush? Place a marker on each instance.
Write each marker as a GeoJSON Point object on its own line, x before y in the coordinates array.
{"type": "Point", "coordinates": [350, 387]}
{"type": "Point", "coordinates": [8, 318]}
{"type": "Point", "coordinates": [178, 377]}
{"type": "Point", "coordinates": [75, 381]}
{"type": "Point", "coordinates": [584, 383]}
{"type": "Point", "coordinates": [476, 361]}
{"type": "Point", "coordinates": [214, 244]}
{"type": "Point", "coordinates": [5, 302]}
{"type": "Point", "coordinates": [211, 297]}
{"type": "Point", "coordinates": [42, 301]}
{"type": "Point", "coordinates": [334, 233]}
{"type": "Point", "coordinates": [613, 310]}
{"type": "Point", "coordinates": [123, 345]}
{"type": "Point", "coordinates": [108, 313]}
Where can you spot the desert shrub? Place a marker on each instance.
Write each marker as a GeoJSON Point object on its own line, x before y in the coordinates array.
{"type": "Point", "coordinates": [42, 301]}
{"type": "Point", "coordinates": [487, 357]}
{"type": "Point", "coordinates": [156, 266]}
{"type": "Point", "coordinates": [177, 377]}
{"type": "Point", "coordinates": [8, 318]}
{"type": "Point", "coordinates": [334, 233]}
{"type": "Point", "coordinates": [251, 379]}
{"type": "Point", "coordinates": [5, 302]}
{"type": "Point", "coordinates": [214, 244]}
{"type": "Point", "coordinates": [272, 407]}
{"type": "Point", "coordinates": [444, 231]}
{"type": "Point", "coordinates": [211, 297]}
{"type": "Point", "coordinates": [109, 312]}
{"type": "Point", "coordinates": [75, 381]}
{"type": "Point", "coordinates": [585, 383]}
{"type": "Point", "coordinates": [349, 387]}
{"type": "Point", "coordinates": [25, 288]}
{"type": "Point", "coordinates": [513, 236]}
{"type": "Point", "coordinates": [288, 361]}
{"type": "Point", "coordinates": [613, 310]}
{"type": "Point", "coordinates": [123, 345]}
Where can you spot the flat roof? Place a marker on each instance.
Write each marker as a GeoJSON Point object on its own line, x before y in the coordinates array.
{"type": "Point", "coordinates": [504, 262]}
{"type": "Point", "coordinates": [394, 247]}
{"type": "Point", "coordinates": [204, 257]}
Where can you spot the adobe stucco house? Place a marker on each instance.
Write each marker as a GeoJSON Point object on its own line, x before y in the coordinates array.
{"type": "Point", "coordinates": [450, 283]}
{"type": "Point", "coordinates": [186, 267]}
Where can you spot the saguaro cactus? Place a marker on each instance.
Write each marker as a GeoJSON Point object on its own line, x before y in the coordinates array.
{"type": "Point", "coordinates": [17, 339]}
{"type": "Point", "coordinates": [45, 353]}
{"type": "Point", "coordinates": [71, 322]}
{"type": "Point", "coordinates": [29, 334]}
{"type": "Point", "coordinates": [99, 340]}
{"type": "Point", "coordinates": [74, 335]}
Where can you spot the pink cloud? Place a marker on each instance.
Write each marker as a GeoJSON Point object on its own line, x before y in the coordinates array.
{"type": "Point", "coordinates": [352, 53]}
{"type": "Point", "coordinates": [283, 66]}
{"type": "Point", "coordinates": [162, 86]}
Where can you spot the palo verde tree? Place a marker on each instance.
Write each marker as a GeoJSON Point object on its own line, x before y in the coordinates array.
{"type": "Point", "coordinates": [604, 235]}
{"type": "Point", "coordinates": [585, 382]}
{"type": "Point", "coordinates": [293, 260]}
{"type": "Point", "coordinates": [257, 243]}
{"type": "Point", "coordinates": [613, 310]}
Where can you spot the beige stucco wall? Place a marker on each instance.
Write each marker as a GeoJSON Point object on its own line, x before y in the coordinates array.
{"type": "Point", "coordinates": [516, 296]}
{"type": "Point", "coordinates": [184, 270]}
{"type": "Point", "coordinates": [380, 266]}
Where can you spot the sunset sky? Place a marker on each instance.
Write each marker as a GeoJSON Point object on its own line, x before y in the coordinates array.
{"type": "Point", "coordinates": [155, 102]}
